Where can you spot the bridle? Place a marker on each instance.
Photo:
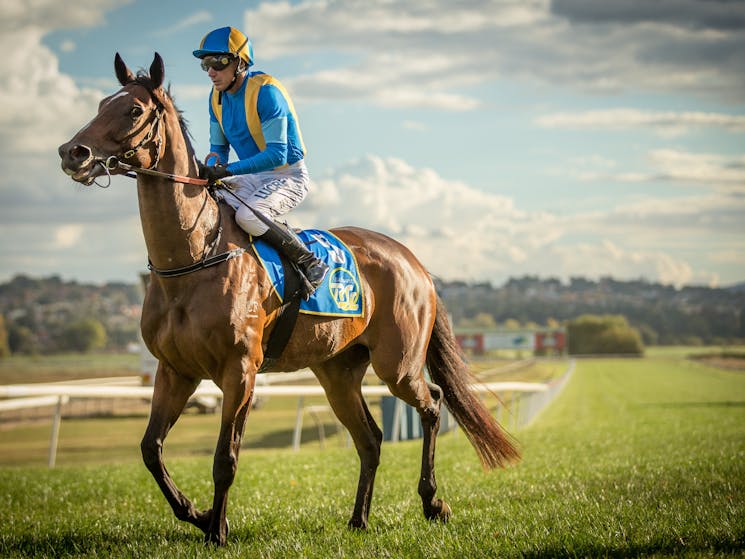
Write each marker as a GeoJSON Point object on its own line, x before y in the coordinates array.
{"type": "Point", "coordinates": [113, 162]}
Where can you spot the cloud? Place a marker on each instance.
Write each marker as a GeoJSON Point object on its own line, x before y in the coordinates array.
{"type": "Point", "coordinates": [415, 125]}
{"type": "Point", "coordinates": [706, 223]}
{"type": "Point", "coordinates": [723, 172]}
{"type": "Point", "coordinates": [90, 251]}
{"type": "Point", "coordinates": [67, 236]}
{"type": "Point", "coordinates": [712, 14]}
{"type": "Point", "coordinates": [605, 258]}
{"type": "Point", "coordinates": [436, 55]}
{"type": "Point", "coordinates": [460, 232]}
{"type": "Point", "coordinates": [419, 51]}
{"type": "Point", "coordinates": [720, 173]}
{"type": "Point", "coordinates": [67, 46]}
{"type": "Point", "coordinates": [664, 123]}
{"type": "Point", "coordinates": [39, 106]}
{"type": "Point", "coordinates": [196, 18]}
{"type": "Point", "coordinates": [46, 15]}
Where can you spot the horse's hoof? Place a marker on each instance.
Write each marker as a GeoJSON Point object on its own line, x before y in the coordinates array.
{"type": "Point", "coordinates": [439, 510]}
{"type": "Point", "coordinates": [445, 513]}
{"type": "Point", "coordinates": [357, 524]}
{"type": "Point", "coordinates": [211, 538]}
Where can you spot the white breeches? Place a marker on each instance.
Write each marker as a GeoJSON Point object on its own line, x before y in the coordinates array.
{"type": "Point", "coordinates": [273, 193]}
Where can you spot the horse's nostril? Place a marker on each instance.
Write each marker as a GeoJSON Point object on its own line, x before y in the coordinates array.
{"type": "Point", "coordinates": [80, 153]}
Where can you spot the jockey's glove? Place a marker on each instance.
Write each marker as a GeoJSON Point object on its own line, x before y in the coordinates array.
{"type": "Point", "coordinates": [213, 173]}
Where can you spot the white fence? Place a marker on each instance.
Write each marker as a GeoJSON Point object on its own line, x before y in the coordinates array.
{"type": "Point", "coordinates": [533, 398]}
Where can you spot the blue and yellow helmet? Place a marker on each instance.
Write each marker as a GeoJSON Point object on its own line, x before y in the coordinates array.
{"type": "Point", "coordinates": [226, 40]}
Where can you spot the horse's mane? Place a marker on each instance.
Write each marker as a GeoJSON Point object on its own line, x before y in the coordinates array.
{"type": "Point", "coordinates": [143, 79]}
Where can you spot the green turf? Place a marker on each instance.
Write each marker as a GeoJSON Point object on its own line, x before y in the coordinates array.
{"type": "Point", "coordinates": [642, 457]}
{"type": "Point", "coordinates": [21, 369]}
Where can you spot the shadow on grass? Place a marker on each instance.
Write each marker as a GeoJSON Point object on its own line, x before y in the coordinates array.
{"type": "Point", "coordinates": [663, 546]}
{"type": "Point", "coordinates": [90, 543]}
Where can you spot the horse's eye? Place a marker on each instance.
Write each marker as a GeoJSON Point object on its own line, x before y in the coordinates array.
{"type": "Point", "coordinates": [135, 112]}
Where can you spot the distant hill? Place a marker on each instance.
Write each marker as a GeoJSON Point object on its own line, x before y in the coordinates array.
{"type": "Point", "coordinates": [36, 310]}
{"type": "Point", "coordinates": [662, 313]}
{"type": "Point", "coordinates": [737, 288]}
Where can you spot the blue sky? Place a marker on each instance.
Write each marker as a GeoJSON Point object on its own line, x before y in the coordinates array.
{"type": "Point", "coordinates": [495, 139]}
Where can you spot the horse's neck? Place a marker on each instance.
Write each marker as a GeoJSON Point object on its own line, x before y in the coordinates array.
{"type": "Point", "coordinates": [178, 220]}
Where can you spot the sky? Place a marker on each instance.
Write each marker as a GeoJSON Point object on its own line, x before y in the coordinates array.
{"type": "Point", "coordinates": [496, 139]}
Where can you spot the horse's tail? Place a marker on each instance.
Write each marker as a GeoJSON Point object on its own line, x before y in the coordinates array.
{"type": "Point", "coordinates": [450, 372]}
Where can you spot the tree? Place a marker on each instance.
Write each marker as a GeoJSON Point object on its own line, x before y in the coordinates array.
{"type": "Point", "coordinates": [21, 339]}
{"type": "Point", "coordinates": [83, 335]}
{"type": "Point", "coordinates": [552, 323]}
{"type": "Point", "coordinates": [648, 334]}
{"type": "Point", "coordinates": [482, 320]}
{"type": "Point", "coordinates": [606, 334]}
{"type": "Point", "coordinates": [511, 324]}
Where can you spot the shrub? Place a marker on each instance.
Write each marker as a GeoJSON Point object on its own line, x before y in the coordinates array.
{"type": "Point", "coordinates": [83, 335]}
{"type": "Point", "coordinates": [606, 334]}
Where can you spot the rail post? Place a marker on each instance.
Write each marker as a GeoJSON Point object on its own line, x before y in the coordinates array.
{"type": "Point", "coordinates": [54, 439]}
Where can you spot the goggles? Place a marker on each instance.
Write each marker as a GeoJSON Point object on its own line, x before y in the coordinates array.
{"type": "Point", "coordinates": [218, 62]}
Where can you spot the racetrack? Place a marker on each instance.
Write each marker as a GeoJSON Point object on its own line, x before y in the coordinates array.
{"type": "Point", "coordinates": [635, 457]}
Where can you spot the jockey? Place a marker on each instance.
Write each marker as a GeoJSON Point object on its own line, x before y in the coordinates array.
{"type": "Point", "coordinates": [253, 113]}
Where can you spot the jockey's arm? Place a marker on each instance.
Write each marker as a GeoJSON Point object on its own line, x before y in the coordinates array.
{"type": "Point", "coordinates": [218, 143]}
{"type": "Point", "coordinates": [275, 153]}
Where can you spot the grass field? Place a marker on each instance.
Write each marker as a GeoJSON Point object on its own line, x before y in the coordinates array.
{"type": "Point", "coordinates": [19, 369]}
{"type": "Point", "coordinates": [642, 457]}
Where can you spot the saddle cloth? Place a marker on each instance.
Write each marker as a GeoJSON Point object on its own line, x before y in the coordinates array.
{"type": "Point", "coordinates": [340, 293]}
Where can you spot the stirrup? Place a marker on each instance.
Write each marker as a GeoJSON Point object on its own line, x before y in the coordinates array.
{"type": "Point", "coordinates": [311, 284]}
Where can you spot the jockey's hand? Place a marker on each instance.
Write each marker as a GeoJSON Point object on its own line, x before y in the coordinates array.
{"type": "Point", "coordinates": [213, 173]}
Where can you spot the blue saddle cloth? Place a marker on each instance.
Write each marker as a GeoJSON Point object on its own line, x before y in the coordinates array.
{"type": "Point", "coordinates": [340, 293]}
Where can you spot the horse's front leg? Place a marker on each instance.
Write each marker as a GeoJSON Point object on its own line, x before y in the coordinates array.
{"type": "Point", "coordinates": [237, 397]}
{"type": "Point", "coordinates": [170, 394]}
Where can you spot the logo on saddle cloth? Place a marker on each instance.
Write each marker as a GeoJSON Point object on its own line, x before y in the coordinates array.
{"type": "Point", "coordinates": [340, 293]}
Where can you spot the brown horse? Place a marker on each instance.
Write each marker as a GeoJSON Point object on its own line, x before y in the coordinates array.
{"type": "Point", "coordinates": [199, 325]}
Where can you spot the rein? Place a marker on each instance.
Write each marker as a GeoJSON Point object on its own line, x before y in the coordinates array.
{"type": "Point", "coordinates": [112, 163]}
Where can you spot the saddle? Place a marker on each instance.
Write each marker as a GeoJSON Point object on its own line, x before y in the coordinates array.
{"type": "Point", "coordinates": [339, 295]}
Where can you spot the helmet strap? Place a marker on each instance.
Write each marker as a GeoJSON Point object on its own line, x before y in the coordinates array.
{"type": "Point", "coordinates": [239, 69]}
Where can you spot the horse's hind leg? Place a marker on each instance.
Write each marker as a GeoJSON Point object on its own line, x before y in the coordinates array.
{"type": "Point", "coordinates": [341, 379]}
{"type": "Point", "coordinates": [170, 394]}
{"type": "Point", "coordinates": [434, 509]}
{"type": "Point", "coordinates": [405, 379]}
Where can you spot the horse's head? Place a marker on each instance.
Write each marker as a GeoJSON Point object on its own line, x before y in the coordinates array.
{"type": "Point", "coordinates": [127, 127]}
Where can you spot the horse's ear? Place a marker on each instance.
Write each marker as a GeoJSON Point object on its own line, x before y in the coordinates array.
{"type": "Point", "coordinates": [123, 74]}
{"type": "Point", "coordinates": [157, 71]}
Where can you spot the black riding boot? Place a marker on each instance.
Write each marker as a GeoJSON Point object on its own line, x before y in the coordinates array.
{"type": "Point", "coordinates": [313, 270]}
